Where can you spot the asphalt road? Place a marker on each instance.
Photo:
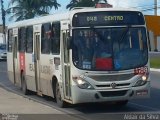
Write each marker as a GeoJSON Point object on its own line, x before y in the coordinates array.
{"type": "Point", "coordinates": [143, 108]}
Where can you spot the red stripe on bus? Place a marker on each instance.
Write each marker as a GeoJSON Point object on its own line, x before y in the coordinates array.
{"type": "Point", "coordinates": [22, 61]}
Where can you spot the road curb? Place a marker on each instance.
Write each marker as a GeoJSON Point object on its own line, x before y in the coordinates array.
{"type": "Point", "coordinates": [155, 52]}
{"type": "Point", "coordinates": [155, 70]}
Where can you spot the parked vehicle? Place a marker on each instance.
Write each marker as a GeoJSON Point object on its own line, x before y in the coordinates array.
{"type": "Point", "coordinates": [3, 52]}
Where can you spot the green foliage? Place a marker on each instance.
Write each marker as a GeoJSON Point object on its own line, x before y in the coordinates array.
{"type": "Point", "coordinates": [83, 3]}
{"type": "Point", "coordinates": [155, 62]}
{"type": "Point", "coordinates": [26, 9]}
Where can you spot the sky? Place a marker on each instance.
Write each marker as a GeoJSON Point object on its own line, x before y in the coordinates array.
{"type": "Point", "coordinates": [138, 4]}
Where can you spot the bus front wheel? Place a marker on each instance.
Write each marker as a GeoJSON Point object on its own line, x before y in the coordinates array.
{"type": "Point", "coordinates": [58, 97]}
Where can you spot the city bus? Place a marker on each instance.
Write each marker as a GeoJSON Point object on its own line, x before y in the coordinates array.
{"type": "Point", "coordinates": [82, 56]}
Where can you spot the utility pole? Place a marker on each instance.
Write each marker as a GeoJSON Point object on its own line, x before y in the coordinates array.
{"type": "Point", "coordinates": [3, 21]}
{"type": "Point", "coordinates": [155, 37]}
{"type": "Point", "coordinates": [155, 7]}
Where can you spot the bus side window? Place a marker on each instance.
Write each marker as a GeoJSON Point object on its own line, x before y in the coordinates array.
{"type": "Point", "coordinates": [55, 43]}
{"type": "Point", "coordinates": [29, 42]}
{"type": "Point", "coordinates": [46, 38]}
{"type": "Point", "coordinates": [22, 39]}
{"type": "Point", "coordinates": [10, 40]}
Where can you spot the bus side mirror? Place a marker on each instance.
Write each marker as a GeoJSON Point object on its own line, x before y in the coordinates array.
{"type": "Point", "coordinates": [69, 43]}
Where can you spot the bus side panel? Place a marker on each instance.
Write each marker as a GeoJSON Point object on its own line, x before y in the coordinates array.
{"type": "Point", "coordinates": [45, 73]}
{"type": "Point", "coordinates": [55, 71]}
{"type": "Point", "coordinates": [10, 66]}
{"type": "Point", "coordinates": [30, 75]}
{"type": "Point", "coordinates": [18, 72]}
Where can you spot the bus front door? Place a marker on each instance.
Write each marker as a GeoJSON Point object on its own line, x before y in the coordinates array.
{"type": "Point", "coordinates": [66, 67]}
{"type": "Point", "coordinates": [15, 60]}
{"type": "Point", "coordinates": [37, 62]}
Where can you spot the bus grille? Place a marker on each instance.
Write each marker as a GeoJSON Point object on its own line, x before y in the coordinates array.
{"type": "Point", "coordinates": [117, 85]}
{"type": "Point", "coordinates": [113, 93]}
{"type": "Point", "coordinates": [104, 78]}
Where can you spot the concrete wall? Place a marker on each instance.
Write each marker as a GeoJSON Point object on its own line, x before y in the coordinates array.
{"type": "Point", "coordinates": [1, 38]}
{"type": "Point", "coordinates": [158, 43]}
{"type": "Point", "coordinates": [1, 35]}
{"type": "Point", "coordinates": [151, 38]}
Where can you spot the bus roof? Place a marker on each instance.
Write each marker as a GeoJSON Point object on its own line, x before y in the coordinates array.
{"type": "Point", "coordinates": [89, 9]}
{"type": "Point", "coordinates": [61, 16]}
{"type": "Point", "coordinates": [39, 20]}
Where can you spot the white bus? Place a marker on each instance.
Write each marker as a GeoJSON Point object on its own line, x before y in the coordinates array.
{"type": "Point", "coordinates": [84, 55]}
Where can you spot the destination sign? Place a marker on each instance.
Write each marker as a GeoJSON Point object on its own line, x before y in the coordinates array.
{"type": "Point", "coordinates": [108, 18]}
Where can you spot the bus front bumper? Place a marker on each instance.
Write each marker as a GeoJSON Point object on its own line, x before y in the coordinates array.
{"type": "Point", "coordinates": [103, 95]}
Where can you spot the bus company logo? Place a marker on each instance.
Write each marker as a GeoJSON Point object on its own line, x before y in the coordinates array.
{"type": "Point", "coordinates": [113, 85]}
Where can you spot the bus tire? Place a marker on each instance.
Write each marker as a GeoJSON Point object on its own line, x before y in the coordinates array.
{"type": "Point", "coordinates": [58, 97]}
{"type": "Point", "coordinates": [24, 85]}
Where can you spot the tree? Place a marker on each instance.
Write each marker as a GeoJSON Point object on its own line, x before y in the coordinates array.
{"type": "Point", "coordinates": [26, 9]}
{"type": "Point", "coordinates": [83, 3]}
{"type": "Point", "coordinates": [3, 19]}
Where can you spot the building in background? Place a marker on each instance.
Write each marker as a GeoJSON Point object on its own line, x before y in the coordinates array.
{"type": "Point", "coordinates": [2, 37]}
{"type": "Point", "coordinates": [153, 25]}
{"type": "Point", "coordinates": [1, 28]}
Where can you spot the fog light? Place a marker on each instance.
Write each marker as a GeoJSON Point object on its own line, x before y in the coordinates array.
{"type": "Point", "coordinates": [141, 92]}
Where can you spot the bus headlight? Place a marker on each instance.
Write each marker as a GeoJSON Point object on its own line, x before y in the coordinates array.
{"type": "Point", "coordinates": [81, 83]}
{"type": "Point", "coordinates": [142, 81]}
{"type": "Point", "coordinates": [144, 77]}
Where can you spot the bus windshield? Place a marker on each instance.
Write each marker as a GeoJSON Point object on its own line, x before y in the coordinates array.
{"type": "Point", "coordinates": [119, 48]}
